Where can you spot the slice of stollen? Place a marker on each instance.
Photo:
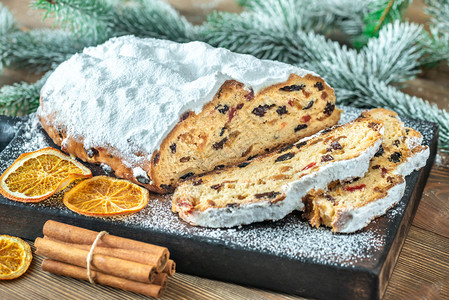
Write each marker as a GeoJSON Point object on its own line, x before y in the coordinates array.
{"type": "Point", "coordinates": [351, 205]}
{"type": "Point", "coordinates": [271, 186]}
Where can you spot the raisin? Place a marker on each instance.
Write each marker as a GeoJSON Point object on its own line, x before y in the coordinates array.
{"type": "Point", "coordinates": [242, 165]}
{"type": "Point", "coordinates": [262, 109]}
{"type": "Point", "coordinates": [222, 131]}
{"type": "Point", "coordinates": [250, 95]}
{"type": "Point", "coordinates": [282, 110]}
{"type": "Point", "coordinates": [219, 167]}
{"type": "Point", "coordinates": [300, 127]}
{"type": "Point", "coordinates": [268, 195]}
{"type": "Point", "coordinates": [173, 148]}
{"type": "Point", "coordinates": [319, 86]}
{"type": "Point", "coordinates": [336, 145]}
{"type": "Point", "coordinates": [240, 106]}
{"type": "Point", "coordinates": [216, 186]}
{"type": "Point", "coordinates": [156, 158]}
{"type": "Point", "coordinates": [143, 179]}
{"type": "Point", "coordinates": [290, 102]}
{"type": "Point", "coordinates": [323, 95]}
{"type": "Point", "coordinates": [184, 116]}
{"type": "Point", "coordinates": [166, 186]}
{"type": "Point", "coordinates": [326, 158]}
{"type": "Point", "coordinates": [375, 167]}
{"type": "Point", "coordinates": [251, 157]}
{"type": "Point", "coordinates": [379, 152]}
{"type": "Point", "coordinates": [219, 145]}
{"type": "Point", "coordinates": [231, 114]}
{"type": "Point", "coordinates": [292, 88]}
{"type": "Point", "coordinates": [219, 93]}
{"type": "Point", "coordinates": [390, 179]}
{"type": "Point", "coordinates": [223, 109]}
{"type": "Point", "coordinates": [330, 198]}
{"type": "Point", "coordinates": [91, 152]}
{"type": "Point", "coordinates": [329, 109]}
{"type": "Point", "coordinates": [407, 130]}
{"type": "Point", "coordinates": [309, 105]}
{"type": "Point", "coordinates": [197, 182]}
{"type": "Point", "coordinates": [284, 157]}
{"type": "Point", "coordinates": [286, 148]}
{"type": "Point", "coordinates": [396, 143]}
{"type": "Point", "coordinates": [384, 171]}
{"type": "Point", "coordinates": [185, 176]}
{"type": "Point", "coordinates": [299, 145]}
{"type": "Point", "coordinates": [395, 157]}
{"type": "Point", "coordinates": [184, 159]}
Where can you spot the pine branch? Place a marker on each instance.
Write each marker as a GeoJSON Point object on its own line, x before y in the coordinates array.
{"type": "Point", "coordinates": [84, 17]}
{"type": "Point", "coordinates": [438, 41]}
{"type": "Point", "coordinates": [103, 19]}
{"type": "Point", "coordinates": [21, 98]}
{"type": "Point", "coordinates": [7, 21]}
{"type": "Point", "coordinates": [151, 19]}
{"type": "Point", "coordinates": [380, 13]}
{"type": "Point", "coordinates": [39, 50]}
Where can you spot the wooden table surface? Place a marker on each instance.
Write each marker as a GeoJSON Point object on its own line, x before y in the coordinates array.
{"type": "Point", "coordinates": [422, 271]}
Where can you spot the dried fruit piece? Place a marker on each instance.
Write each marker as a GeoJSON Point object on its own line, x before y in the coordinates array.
{"type": "Point", "coordinates": [319, 86]}
{"type": "Point", "coordinates": [104, 196]}
{"type": "Point", "coordinates": [329, 109]}
{"type": "Point", "coordinates": [292, 88]}
{"type": "Point", "coordinates": [37, 175]}
{"type": "Point", "coordinates": [282, 110]}
{"type": "Point", "coordinates": [262, 109]}
{"type": "Point", "coordinates": [15, 257]}
{"type": "Point", "coordinates": [309, 105]}
{"type": "Point", "coordinates": [300, 127]}
{"type": "Point", "coordinates": [285, 157]}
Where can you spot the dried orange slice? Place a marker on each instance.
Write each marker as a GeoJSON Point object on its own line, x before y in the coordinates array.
{"type": "Point", "coordinates": [37, 175]}
{"type": "Point", "coordinates": [15, 257]}
{"type": "Point", "coordinates": [104, 196]}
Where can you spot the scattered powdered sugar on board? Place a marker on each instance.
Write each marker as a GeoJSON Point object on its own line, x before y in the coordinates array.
{"type": "Point", "coordinates": [29, 137]}
{"type": "Point", "coordinates": [290, 237]}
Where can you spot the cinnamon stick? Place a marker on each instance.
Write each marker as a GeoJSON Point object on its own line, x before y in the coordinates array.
{"type": "Point", "coordinates": [170, 268]}
{"type": "Point", "coordinates": [76, 235]}
{"type": "Point", "coordinates": [126, 254]}
{"type": "Point", "coordinates": [106, 264]}
{"type": "Point", "coordinates": [161, 279]}
{"type": "Point", "coordinates": [60, 268]}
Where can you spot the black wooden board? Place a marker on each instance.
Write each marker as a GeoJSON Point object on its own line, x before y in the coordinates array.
{"type": "Point", "coordinates": [287, 255]}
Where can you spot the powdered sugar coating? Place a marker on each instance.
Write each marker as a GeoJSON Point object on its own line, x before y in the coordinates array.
{"type": "Point", "coordinates": [148, 82]}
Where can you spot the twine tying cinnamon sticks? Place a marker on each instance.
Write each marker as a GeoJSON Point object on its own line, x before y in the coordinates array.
{"type": "Point", "coordinates": [106, 259]}
{"type": "Point", "coordinates": [91, 255]}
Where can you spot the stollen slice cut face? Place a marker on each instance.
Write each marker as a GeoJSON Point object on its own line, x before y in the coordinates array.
{"type": "Point", "coordinates": [15, 257]}
{"type": "Point", "coordinates": [35, 176]}
{"type": "Point", "coordinates": [271, 186]}
{"type": "Point", "coordinates": [104, 196]}
{"type": "Point", "coordinates": [350, 206]}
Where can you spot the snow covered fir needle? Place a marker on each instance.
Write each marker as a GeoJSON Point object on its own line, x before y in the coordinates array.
{"type": "Point", "coordinates": [383, 52]}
